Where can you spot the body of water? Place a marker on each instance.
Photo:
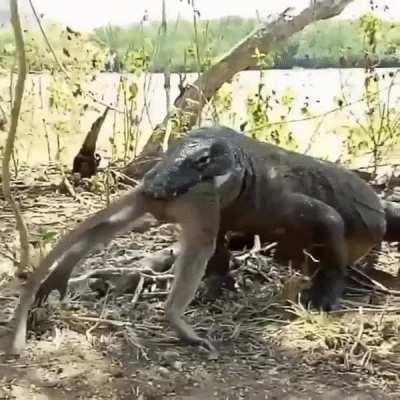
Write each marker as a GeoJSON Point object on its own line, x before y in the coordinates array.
{"type": "Point", "coordinates": [319, 90]}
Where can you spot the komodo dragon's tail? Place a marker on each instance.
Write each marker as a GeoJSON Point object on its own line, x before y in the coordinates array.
{"type": "Point", "coordinates": [392, 212]}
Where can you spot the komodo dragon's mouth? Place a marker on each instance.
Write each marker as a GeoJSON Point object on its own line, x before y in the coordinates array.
{"type": "Point", "coordinates": [163, 193]}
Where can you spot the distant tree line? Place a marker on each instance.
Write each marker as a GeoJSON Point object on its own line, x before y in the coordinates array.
{"type": "Point", "coordinates": [325, 44]}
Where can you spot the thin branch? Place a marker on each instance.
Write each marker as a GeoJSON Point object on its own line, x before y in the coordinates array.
{"type": "Point", "coordinates": [106, 321]}
{"type": "Point", "coordinates": [138, 290]}
{"type": "Point", "coordinates": [15, 111]}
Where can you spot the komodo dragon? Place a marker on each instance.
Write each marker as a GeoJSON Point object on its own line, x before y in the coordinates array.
{"type": "Point", "coordinates": [217, 180]}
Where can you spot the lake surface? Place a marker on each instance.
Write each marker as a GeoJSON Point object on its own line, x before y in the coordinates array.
{"type": "Point", "coordinates": [318, 89]}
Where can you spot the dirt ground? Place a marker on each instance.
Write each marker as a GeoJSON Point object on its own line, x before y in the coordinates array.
{"type": "Point", "coordinates": [100, 346]}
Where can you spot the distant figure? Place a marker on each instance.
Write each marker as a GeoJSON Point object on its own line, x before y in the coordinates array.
{"type": "Point", "coordinates": [113, 63]}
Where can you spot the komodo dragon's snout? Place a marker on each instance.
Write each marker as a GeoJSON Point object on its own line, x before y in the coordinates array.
{"type": "Point", "coordinates": [190, 163]}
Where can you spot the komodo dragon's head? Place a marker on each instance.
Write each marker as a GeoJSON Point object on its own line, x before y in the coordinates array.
{"type": "Point", "coordinates": [193, 160]}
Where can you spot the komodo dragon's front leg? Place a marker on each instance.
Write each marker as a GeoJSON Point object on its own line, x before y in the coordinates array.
{"type": "Point", "coordinates": [217, 276]}
{"type": "Point", "coordinates": [315, 222]}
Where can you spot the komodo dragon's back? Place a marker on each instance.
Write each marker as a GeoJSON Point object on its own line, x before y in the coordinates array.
{"type": "Point", "coordinates": [331, 183]}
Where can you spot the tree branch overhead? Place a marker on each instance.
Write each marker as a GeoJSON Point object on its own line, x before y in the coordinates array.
{"type": "Point", "coordinates": [265, 38]}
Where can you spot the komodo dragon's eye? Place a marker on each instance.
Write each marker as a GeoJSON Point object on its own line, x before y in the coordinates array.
{"type": "Point", "coordinates": [203, 160]}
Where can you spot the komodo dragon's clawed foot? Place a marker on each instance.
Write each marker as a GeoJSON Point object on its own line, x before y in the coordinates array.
{"type": "Point", "coordinates": [215, 284]}
{"type": "Point", "coordinates": [327, 289]}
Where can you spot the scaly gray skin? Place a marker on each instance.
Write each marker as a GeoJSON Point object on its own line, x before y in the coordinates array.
{"type": "Point", "coordinates": [392, 212]}
{"type": "Point", "coordinates": [298, 200]}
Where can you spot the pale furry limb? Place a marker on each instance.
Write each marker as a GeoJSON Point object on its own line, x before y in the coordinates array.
{"type": "Point", "coordinates": [95, 231]}
{"type": "Point", "coordinates": [9, 147]}
{"type": "Point", "coordinates": [197, 212]}
{"type": "Point", "coordinates": [152, 267]}
{"type": "Point", "coordinates": [144, 223]}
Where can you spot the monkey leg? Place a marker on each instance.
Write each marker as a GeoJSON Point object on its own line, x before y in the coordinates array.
{"type": "Point", "coordinates": [199, 218]}
{"type": "Point", "coordinates": [217, 275]}
{"type": "Point", "coordinates": [321, 225]}
{"type": "Point", "coordinates": [55, 269]}
{"type": "Point", "coordinates": [189, 269]}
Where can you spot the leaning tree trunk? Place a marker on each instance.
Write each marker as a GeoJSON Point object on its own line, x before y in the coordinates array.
{"type": "Point", "coordinates": [265, 38]}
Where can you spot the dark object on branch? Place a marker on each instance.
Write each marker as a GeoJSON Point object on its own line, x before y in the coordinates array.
{"type": "Point", "coordinates": [87, 160]}
{"type": "Point", "coordinates": [214, 181]}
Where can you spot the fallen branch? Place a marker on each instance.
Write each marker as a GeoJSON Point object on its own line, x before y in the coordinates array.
{"type": "Point", "coordinates": [99, 320]}
{"type": "Point", "coordinates": [138, 290]}
{"type": "Point", "coordinates": [6, 298]}
{"type": "Point", "coordinates": [88, 333]}
{"type": "Point", "coordinates": [365, 280]}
